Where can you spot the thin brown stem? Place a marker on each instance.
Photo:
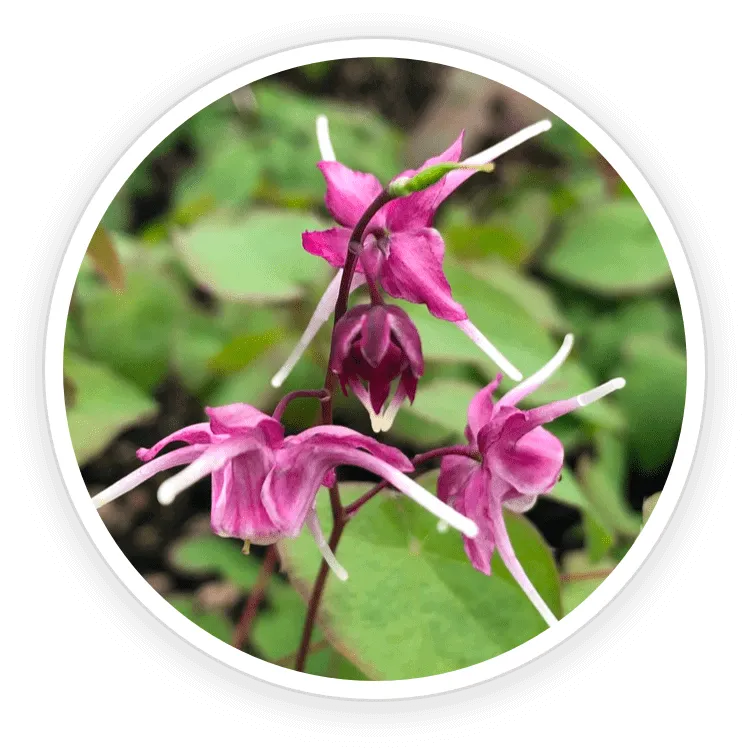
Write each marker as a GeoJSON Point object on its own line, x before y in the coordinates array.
{"type": "Point", "coordinates": [339, 515]}
{"type": "Point", "coordinates": [315, 599]}
{"type": "Point", "coordinates": [242, 631]}
{"type": "Point", "coordinates": [288, 660]}
{"type": "Point", "coordinates": [451, 450]}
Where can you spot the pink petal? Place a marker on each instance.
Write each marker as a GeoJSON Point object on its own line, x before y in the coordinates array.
{"type": "Point", "coordinates": [376, 335]}
{"type": "Point", "coordinates": [236, 507]}
{"type": "Point", "coordinates": [193, 434]}
{"type": "Point", "coordinates": [455, 472]}
{"type": "Point", "coordinates": [505, 548]}
{"type": "Point", "coordinates": [480, 409]}
{"type": "Point", "coordinates": [243, 419]}
{"type": "Point", "coordinates": [349, 193]}
{"type": "Point", "coordinates": [416, 211]}
{"type": "Point", "coordinates": [333, 436]}
{"type": "Point", "coordinates": [344, 333]}
{"type": "Point", "coordinates": [473, 503]}
{"type": "Point", "coordinates": [332, 245]}
{"type": "Point", "coordinates": [405, 333]}
{"type": "Point", "coordinates": [414, 271]}
{"type": "Point", "coordinates": [531, 464]}
{"type": "Point", "coordinates": [304, 464]}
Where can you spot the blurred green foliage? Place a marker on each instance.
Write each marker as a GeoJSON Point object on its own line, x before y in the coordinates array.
{"type": "Point", "coordinates": [211, 290]}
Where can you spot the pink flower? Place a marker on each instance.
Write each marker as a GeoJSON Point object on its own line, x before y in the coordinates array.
{"type": "Point", "coordinates": [263, 485]}
{"type": "Point", "coordinates": [516, 461]}
{"type": "Point", "coordinates": [400, 247]}
{"type": "Point", "coordinates": [374, 345]}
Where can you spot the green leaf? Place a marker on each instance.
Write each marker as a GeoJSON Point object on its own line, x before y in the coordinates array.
{"type": "Point", "coordinates": [278, 628]}
{"type": "Point", "coordinates": [253, 385]}
{"type": "Point", "coordinates": [413, 586]}
{"type": "Point", "coordinates": [611, 250]}
{"type": "Point", "coordinates": [606, 494]}
{"type": "Point", "coordinates": [210, 554]}
{"type": "Point", "coordinates": [532, 296]}
{"type": "Point", "coordinates": [581, 577]}
{"type": "Point", "coordinates": [518, 336]}
{"type": "Point", "coordinates": [481, 241]}
{"type": "Point", "coordinates": [653, 399]}
{"type": "Point", "coordinates": [104, 406]}
{"type": "Point", "coordinates": [242, 350]}
{"type": "Point", "coordinates": [133, 332]}
{"type": "Point", "coordinates": [259, 259]}
{"type": "Point", "coordinates": [362, 139]}
{"type": "Point", "coordinates": [443, 402]}
{"type": "Point", "coordinates": [215, 623]}
{"type": "Point", "coordinates": [606, 334]}
{"type": "Point", "coordinates": [228, 175]}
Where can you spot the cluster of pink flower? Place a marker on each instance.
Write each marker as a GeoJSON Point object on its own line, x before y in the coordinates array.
{"type": "Point", "coordinates": [264, 484]}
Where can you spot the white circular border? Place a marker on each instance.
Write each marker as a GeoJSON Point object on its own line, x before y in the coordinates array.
{"type": "Point", "coordinates": [429, 52]}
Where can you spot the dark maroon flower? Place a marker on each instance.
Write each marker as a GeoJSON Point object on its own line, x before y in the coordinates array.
{"type": "Point", "coordinates": [373, 345]}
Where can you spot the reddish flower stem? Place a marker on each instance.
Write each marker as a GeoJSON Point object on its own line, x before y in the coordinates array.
{"type": "Point", "coordinates": [326, 417]}
{"type": "Point", "coordinates": [321, 395]}
{"type": "Point", "coordinates": [242, 631]}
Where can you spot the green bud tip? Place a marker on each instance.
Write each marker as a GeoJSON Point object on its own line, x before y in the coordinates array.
{"type": "Point", "coordinates": [402, 186]}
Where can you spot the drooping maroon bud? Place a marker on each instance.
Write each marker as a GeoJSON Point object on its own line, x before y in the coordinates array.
{"type": "Point", "coordinates": [373, 345]}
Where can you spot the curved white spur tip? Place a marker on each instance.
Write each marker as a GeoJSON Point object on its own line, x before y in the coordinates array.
{"type": "Point", "coordinates": [324, 139]}
{"type": "Point", "coordinates": [601, 391]}
{"type": "Point", "coordinates": [166, 493]}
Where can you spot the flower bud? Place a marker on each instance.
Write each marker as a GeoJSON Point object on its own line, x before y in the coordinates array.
{"type": "Point", "coordinates": [373, 345]}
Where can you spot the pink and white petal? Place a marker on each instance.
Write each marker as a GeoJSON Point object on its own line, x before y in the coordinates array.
{"type": "Point", "coordinates": [480, 409]}
{"type": "Point", "coordinates": [245, 420]}
{"type": "Point", "coordinates": [508, 556]}
{"type": "Point", "coordinates": [348, 193]}
{"type": "Point", "coordinates": [192, 434]}
{"type": "Point", "coordinates": [178, 457]}
{"type": "Point", "coordinates": [211, 459]}
{"type": "Point", "coordinates": [328, 437]}
{"type": "Point", "coordinates": [313, 523]}
{"type": "Point", "coordinates": [364, 398]}
{"type": "Point", "coordinates": [305, 463]}
{"type": "Point", "coordinates": [521, 504]}
{"type": "Point", "coordinates": [236, 507]}
{"type": "Point", "coordinates": [414, 271]}
{"type": "Point", "coordinates": [549, 412]}
{"type": "Point", "coordinates": [331, 244]}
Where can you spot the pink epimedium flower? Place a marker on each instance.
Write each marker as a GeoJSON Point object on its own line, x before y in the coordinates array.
{"type": "Point", "coordinates": [263, 485]}
{"type": "Point", "coordinates": [515, 461]}
{"type": "Point", "coordinates": [400, 248]}
{"type": "Point", "coordinates": [373, 345]}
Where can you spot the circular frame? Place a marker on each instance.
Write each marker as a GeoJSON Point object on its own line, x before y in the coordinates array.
{"type": "Point", "coordinates": [422, 686]}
